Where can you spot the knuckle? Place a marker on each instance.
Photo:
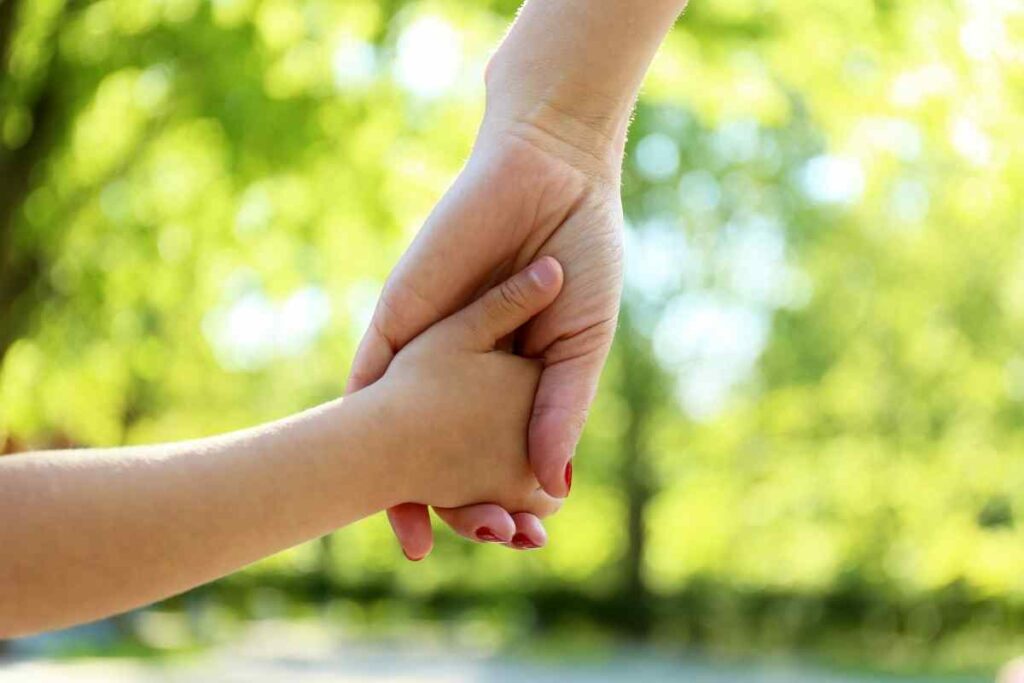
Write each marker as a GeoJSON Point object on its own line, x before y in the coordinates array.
{"type": "Point", "coordinates": [511, 296]}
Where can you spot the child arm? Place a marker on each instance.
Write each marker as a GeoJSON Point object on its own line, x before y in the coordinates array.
{"type": "Point", "coordinates": [89, 533]}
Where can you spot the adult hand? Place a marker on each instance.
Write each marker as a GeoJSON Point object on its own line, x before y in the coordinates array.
{"type": "Point", "coordinates": [543, 179]}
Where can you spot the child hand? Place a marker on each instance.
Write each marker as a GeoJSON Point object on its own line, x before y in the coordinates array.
{"type": "Point", "coordinates": [455, 410]}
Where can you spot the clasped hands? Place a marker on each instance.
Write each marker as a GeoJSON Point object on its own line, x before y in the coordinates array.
{"type": "Point", "coordinates": [542, 180]}
{"type": "Point", "coordinates": [523, 195]}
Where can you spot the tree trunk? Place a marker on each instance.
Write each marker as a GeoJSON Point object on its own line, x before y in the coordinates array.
{"type": "Point", "coordinates": [641, 382]}
{"type": "Point", "coordinates": [22, 264]}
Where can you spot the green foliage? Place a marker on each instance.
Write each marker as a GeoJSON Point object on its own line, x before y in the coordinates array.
{"type": "Point", "coordinates": [817, 389]}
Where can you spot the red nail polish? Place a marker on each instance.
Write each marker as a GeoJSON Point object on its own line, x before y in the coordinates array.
{"type": "Point", "coordinates": [523, 542]}
{"type": "Point", "coordinates": [485, 534]}
{"type": "Point", "coordinates": [568, 477]}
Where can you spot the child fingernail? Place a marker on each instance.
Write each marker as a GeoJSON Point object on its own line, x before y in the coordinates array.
{"type": "Point", "coordinates": [410, 557]}
{"type": "Point", "coordinates": [523, 542]}
{"type": "Point", "coordinates": [568, 477]}
{"type": "Point", "coordinates": [543, 274]}
{"type": "Point", "coordinates": [485, 534]}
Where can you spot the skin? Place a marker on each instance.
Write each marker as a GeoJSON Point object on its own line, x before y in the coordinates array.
{"type": "Point", "coordinates": [543, 179]}
{"type": "Point", "coordinates": [1012, 672]}
{"type": "Point", "coordinates": [90, 533]}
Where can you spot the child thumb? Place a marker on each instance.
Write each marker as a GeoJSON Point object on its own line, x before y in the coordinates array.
{"type": "Point", "coordinates": [508, 306]}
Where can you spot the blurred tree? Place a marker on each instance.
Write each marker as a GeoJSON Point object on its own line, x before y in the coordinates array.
{"type": "Point", "coordinates": [29, 106]}
{"type": "Point", "coordinates": [642, 388]}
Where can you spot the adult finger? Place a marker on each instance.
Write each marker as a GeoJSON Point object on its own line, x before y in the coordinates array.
{"type": "Point", "coordinates": [530, 533]}
{"type": "Point", "coordinates": [485, 523]}
{"type": "Point", "coordinates": [411, 524]}
{"type": "Point", "coordinates": [372, 359]}
{"type": "Point", "coordinates": [564, 394]}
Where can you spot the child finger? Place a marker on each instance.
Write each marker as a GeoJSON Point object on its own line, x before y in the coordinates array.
{"type": "Point", "coordinates": [503, 309]}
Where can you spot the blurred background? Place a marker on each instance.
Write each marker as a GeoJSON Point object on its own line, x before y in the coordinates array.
{"type": "Point", "coordinates": [806, 460]}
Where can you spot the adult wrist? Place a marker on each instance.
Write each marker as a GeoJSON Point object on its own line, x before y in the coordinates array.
{"type": "Point", "coordinates": [598, 159]}
{"type": "Point", "coordinates": [572, 121]}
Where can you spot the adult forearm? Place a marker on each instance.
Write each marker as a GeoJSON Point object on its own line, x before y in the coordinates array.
{"type": "Point", "coordinates": [90, 533]}
{"type": "Point", "coordinates": [577, 65]}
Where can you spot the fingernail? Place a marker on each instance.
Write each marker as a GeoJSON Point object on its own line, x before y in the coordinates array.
{"type": "Point", "coordinates": [568, 477]}
{"type": "Point", "coordinates": [410, 557]}
{"type": "Point", "coordinates": [543, 273]}
{"type": "Point", "coordinates": [485, 534]}
{"type": "Point", "coordinates": [523, 542]}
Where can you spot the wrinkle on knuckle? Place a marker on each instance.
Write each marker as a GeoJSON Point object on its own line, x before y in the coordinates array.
{"type": "Point", "coordinates": [593, 342]}
{"type": "Point", "coordinates": [511, 296]}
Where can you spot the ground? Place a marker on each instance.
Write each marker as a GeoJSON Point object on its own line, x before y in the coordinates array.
{"type": "Point", "coordinates": [274, 652]}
